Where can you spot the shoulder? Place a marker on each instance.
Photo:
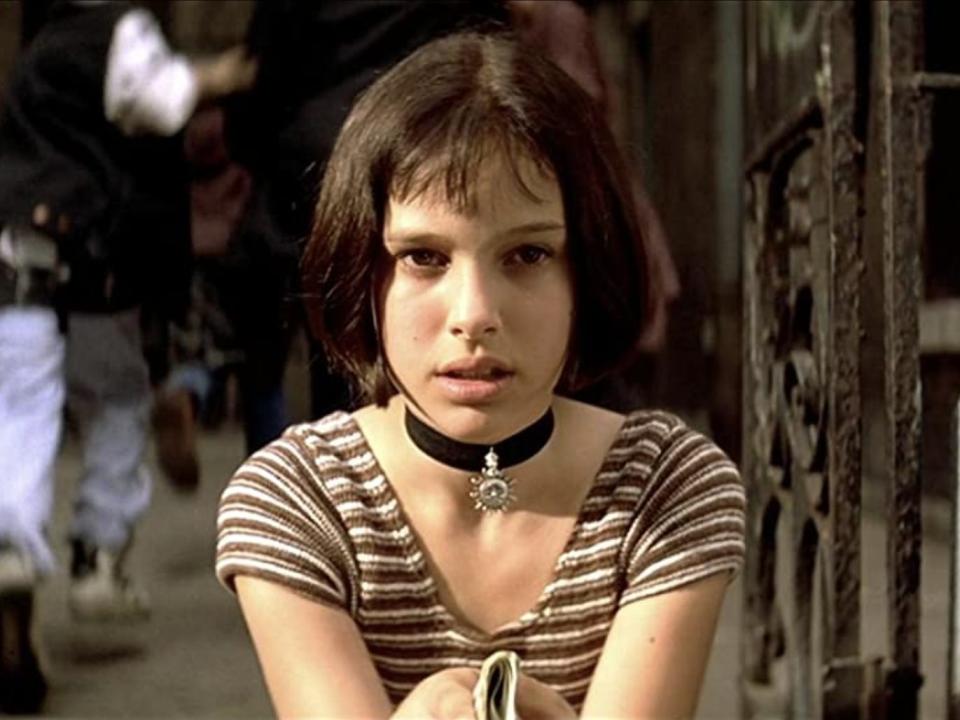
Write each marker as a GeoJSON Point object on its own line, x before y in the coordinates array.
{"type": "Point", "coordinates": [684, 452]}
{"type": "Point", "coordinates": [308, 457]}
{"type": "Point", "coordinates": [669, 442]}
{"type": "Point", "coordinates": [675, 475]}
{"type": "Point", "coordinates": [638, 427]}
{"type": "Point", "coordinates": [585, 428]}
{"type": "Point", "coordinates": [688, 507]}
{"type": "Point", "coordinates": [281, 517]}
{"type": "Point", "coordinates": [334, 438]}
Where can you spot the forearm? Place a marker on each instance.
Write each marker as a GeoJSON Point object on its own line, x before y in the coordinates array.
{"type": "Point", "coordinates": [314, 660]}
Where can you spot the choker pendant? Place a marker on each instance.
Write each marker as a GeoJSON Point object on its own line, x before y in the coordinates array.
{"type": "Point", "coordinates": [492, 490]}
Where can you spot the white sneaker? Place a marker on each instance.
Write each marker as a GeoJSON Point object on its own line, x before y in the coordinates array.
{"type": "Point", "coordinates": [100, 592]}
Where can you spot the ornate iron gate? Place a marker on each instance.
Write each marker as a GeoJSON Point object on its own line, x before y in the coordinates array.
{"type": "Point", "coordinates": [832, 90]}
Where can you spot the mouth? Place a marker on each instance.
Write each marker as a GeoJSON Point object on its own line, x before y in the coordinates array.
{"type": "Point", "coordinates": [474, 380]}
{"type": "Point", "coordinates": [488, 374]}
{"type": "Point", "coordinates": [476, 368]}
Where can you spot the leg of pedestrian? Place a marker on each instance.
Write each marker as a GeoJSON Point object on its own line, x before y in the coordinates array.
{"type": "Point", "coordinates": [108, 395]}
{"type": "Point", "coordinates": [31, 402]}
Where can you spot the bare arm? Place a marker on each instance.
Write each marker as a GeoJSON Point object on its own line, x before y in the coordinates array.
{"type": "Point", "coordinates": [313, 658]}
{"type": "Point", "coordinates": [655, 656]}
{"type": "Point", "coordinates": [316, 665]}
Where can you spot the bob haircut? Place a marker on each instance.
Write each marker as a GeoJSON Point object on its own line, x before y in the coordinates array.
{"type": "Point", "coordinates": [430, 123]}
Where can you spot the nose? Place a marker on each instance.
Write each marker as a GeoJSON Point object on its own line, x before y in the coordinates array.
{"type": "Point", "coordinates": [475, 304]}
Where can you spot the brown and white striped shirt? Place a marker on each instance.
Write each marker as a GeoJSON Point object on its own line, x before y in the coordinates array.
{"type": "Point", "coordinates": [314, 512]}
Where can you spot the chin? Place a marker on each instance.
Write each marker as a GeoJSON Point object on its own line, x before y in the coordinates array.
{"type": "Point", "coordinates": [481, 424]}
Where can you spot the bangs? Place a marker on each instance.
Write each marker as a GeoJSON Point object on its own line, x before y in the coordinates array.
{"type": "Point", "coordinates": [448, 158]}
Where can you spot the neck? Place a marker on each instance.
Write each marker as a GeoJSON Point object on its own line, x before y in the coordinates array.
{"type": "Point", "coordinates": [491, 485]}
{"type": "Point", "coordinates": [512, 450]}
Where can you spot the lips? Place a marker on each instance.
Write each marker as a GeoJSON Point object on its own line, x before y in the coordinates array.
{"type": "Point", "coordinates": [492, 374]}
{"type": "Point", "coordinates": [474, 379]}
{"type": "Point", "coordinates": [483, 368]}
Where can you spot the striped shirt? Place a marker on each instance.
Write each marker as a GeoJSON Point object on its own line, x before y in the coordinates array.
{"type": "Point", "coordinates": [314, 512]}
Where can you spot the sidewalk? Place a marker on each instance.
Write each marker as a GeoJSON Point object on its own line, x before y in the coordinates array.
{"type": "Point", "coordinates": [193, 659]}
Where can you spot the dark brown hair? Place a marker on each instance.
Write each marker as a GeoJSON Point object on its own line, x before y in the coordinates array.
{"type": "Point", "coordinates": [431, 122]}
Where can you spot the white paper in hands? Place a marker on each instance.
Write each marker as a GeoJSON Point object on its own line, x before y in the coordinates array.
{"type": "Point", "coordinates": [495, 694]}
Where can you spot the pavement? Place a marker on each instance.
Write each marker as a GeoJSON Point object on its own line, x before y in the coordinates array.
{"type": "Point", "coordinates": [194, 658]}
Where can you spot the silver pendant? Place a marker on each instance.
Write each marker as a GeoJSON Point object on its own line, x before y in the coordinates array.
{"type": "Point", "coordinates": [492, 491]}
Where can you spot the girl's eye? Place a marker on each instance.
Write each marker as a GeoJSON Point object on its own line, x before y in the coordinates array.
{"type": "Point", "coordinates": [528, 255]}
{"type": "Point", "coordinates": [422, 258]}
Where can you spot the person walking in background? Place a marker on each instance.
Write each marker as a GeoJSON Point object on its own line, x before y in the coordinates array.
{"type": "Point", "coordinates": [200, 351]}
{"type": "Point", "coordinates": [95, 78]}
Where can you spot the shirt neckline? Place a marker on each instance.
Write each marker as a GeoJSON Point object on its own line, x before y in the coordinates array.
{"type": "Point", "coordinates": [412, 548]}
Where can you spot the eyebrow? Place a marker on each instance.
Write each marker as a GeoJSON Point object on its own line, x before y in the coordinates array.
{"type": "Point", "coordinates": [535, 227]}
{"type": "Point", "coordinates": [411, 238]}
{"type": "Point", "coordinates": [414, 236]}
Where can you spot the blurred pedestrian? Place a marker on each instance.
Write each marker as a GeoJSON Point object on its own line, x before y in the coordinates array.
{"type": "Point", "coordinates": [201, 344]}
{"type": "Point", "coordinates": [95, 77]}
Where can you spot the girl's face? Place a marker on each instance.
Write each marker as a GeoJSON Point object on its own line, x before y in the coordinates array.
{"type": "Point", "coordinates": [477, 308]}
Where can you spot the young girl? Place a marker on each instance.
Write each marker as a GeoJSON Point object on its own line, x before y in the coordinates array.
{"type": "Point", "coordinates": [474, 257]}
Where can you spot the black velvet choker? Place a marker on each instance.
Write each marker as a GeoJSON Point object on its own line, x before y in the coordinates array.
{"type": "Point", "coordinates": [491, 489]}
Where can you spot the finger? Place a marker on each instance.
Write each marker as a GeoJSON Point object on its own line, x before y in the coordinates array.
{"type": "Point", "coordinates": [538, 701]}
{"type": "Point", "coordinates": [455, 703]}
{"type": "Point", "coordinates": [464, 677]}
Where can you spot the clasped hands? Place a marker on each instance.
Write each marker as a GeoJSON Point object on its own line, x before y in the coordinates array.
{"type": "Point", "coordinates": [448, 695]}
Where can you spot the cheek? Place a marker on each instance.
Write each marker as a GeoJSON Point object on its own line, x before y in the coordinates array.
{"type": "Point", "coordinates": [406, 320]}
{"type": "Point", "coordinates": [550, 319]}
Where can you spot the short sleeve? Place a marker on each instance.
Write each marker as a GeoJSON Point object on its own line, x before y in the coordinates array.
{"type": "Point", "coordinates": [275, 522]}
{"type": "Point", "coordinates": [690, 519]}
